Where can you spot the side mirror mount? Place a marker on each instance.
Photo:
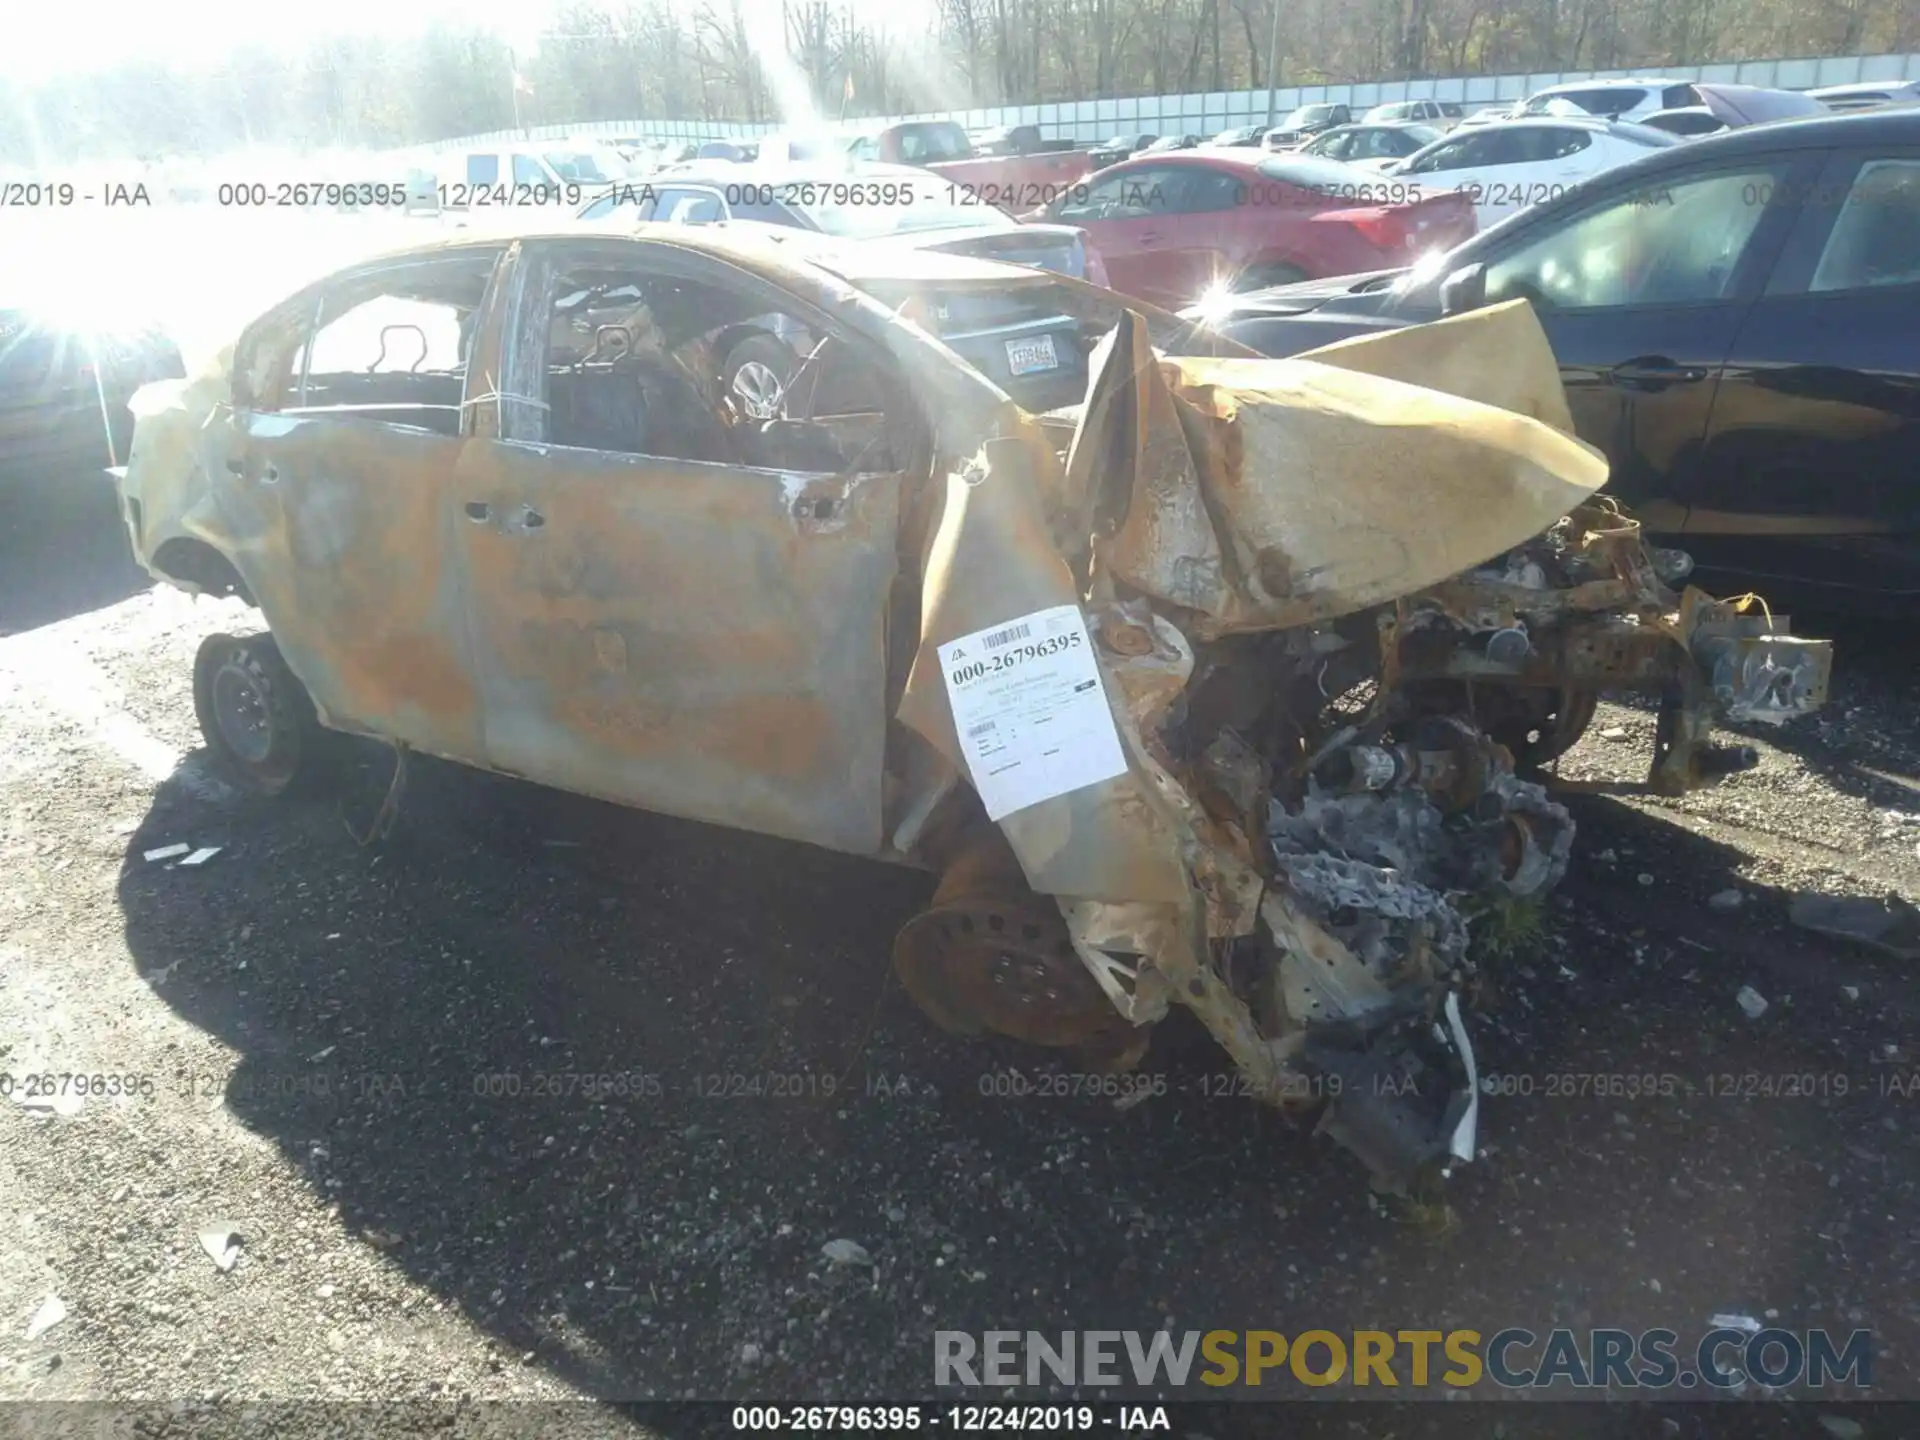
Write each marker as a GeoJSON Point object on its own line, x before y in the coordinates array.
{"type": "Point", "coordinates": [1465, 289]}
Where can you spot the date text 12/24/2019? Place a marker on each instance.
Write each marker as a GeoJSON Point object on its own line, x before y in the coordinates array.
{"type": "Point", "coordinates": [959, 1419]}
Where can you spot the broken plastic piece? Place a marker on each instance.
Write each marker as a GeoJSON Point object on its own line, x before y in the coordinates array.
{"type": "Point", "coordinates": [1467, 1130]}
{"type": "Point", "coordinates": [222, 1240]}
{"type": "Point", "coordinates": [166, 852]}
{"type": "Point", "coordinates": [202, 855]}
{"type": "Point", "coordinates": [1891, 926]}
{"type": "Point", "coordinates": [51, 1312]}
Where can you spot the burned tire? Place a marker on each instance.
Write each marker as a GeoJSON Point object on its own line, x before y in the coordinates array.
{"type": "Point", "coordinates": [255, 715]}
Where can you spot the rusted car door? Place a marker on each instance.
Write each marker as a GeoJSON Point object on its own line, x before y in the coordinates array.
{"type": "Point", "coordinates": [336, 474]}
{"type": "Point", "coordinates": [700, 637]}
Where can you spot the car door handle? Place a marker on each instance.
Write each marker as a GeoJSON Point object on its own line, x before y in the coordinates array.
{"type": "Point", "coordinates": [478, 511]}
{"type": "Point", "coordinates": [1151, 238]}
{"type": "Point", "coordinates": [1654, 372]}
{"type": "Point", "coordinates": [239, 468]}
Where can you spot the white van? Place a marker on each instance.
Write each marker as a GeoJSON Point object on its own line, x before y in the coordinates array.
{"type": "Point", "coordinates": [516, 175]}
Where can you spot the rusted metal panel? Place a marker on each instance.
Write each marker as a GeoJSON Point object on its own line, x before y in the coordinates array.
{"type": "Point", "coordinates": [696, 639]}
{"type": "Point", "coordinates": [992, 559]}
{"type": "Point", "coordinates": [1263, 494]}
{"type": "Point", "coordinates": [344, 535]}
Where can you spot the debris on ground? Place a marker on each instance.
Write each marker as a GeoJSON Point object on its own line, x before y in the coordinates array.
{"type": "Point", "coordinates": [166, 852]}
{"type": "Point", "coordinates": [222, 1241]}
{"type": "Point", "coordinates": [202, 855]}
{"type": "Point", "coordinates": [1751, 1001]}
{"type": "Point", "coordinates": [51, 1312]}
{"type": "Point", "coordinates": [1729, 899]}
{"type": "Point", "coordinates": [846, 1252]}
{"type": "Point", "coordinates": [1745, 1323]}
{"type": "Point", "coordinates": [1891, 926]}
{"type": "Point", "coordinates": [53, 1098]}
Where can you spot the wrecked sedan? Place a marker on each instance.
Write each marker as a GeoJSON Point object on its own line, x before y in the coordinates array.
{"type": "Point", "coordinates": [1203, 692]}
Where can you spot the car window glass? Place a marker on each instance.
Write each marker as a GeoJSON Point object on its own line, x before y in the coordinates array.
{"type": "Point", "coordinates": [389, 348]}
{"type": "Point", "coordinates": [1129, 195]}
{"type": "Point", "coordinates": [1549, 144]}
{"type": "Point", "coordinates": [527, 170]}
{"type": "Point", "coordinates": [1518, 145]}
{"type": "Point", "coordinates": [645, 364]}
{"type": "Point", "coordinates": [1609, 101]}
{"type": "Point", "coordinates": [1876, 238]}
{"type": "Point", "coordinates": [1208, 190]}
{"type": "Point", "coordinates": [764, 214]}
{"type": "Point", "coordinates": [681, 206]}
{"type": "Point", "coordinates": [1454, 155]}
{"type": "Point", "coordinates": [930, 144]}
{"type": "Point", "coordinates": [1677, 245]}
{"type": "Point", "coordinates": [483, 169]}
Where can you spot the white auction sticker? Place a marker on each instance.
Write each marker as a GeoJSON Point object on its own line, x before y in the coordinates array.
{"type": "Point", "coordinates": [1030, 710]}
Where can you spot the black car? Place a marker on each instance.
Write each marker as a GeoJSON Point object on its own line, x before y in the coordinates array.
{"type": "Point", "coordinates": [1306, 122]}
{"type": "Point", "coordinates": [64, 388]}
{"type": "Point", "coordinates": [1737, 322]}
{"type": "Point", "coordinates": [1120, 147]}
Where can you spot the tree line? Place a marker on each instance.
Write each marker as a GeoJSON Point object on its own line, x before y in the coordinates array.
{"type": "Point", "coordinates": [772, 60]}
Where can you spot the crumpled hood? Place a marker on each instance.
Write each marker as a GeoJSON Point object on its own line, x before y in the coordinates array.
{"type": "Point", "coordinates": [1256, 494]}
{"type": "Point", "coordinates": [1270, 493]}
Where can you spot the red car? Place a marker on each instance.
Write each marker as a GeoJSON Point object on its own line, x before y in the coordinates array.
{"type": "Point", "coordinates": [1172, 227]}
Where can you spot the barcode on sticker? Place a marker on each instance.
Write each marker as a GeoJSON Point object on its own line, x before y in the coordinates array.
{"type": "Point", "coordinates": [997, 638]}
{"type": "Point", "coordinates": [985, 727]}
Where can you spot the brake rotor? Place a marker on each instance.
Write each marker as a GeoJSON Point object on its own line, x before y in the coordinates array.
{"type": "Point", "coordinates": [991, 956]}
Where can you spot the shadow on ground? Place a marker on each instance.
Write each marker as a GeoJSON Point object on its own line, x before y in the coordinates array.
{"type": "Point", "coordinates": [63, 549]}
{"type": "Point", "coordinates": [608, 1083]}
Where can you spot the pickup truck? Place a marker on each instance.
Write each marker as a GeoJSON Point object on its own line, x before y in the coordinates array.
{"type": "Point", "coordinates": [1015, 140]}
{"type": "Point", "coordinates": [1013, 182]}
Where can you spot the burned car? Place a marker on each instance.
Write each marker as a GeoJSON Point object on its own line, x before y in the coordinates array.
{"type": "Point", "coordinates": [1215, 690]}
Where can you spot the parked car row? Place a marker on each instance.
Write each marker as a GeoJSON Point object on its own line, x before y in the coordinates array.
{"type": "Point", "coordinates": [1734, 323]}
{"type": "Point", "coordinates": [1716, 303]}
{"type": "Point", "coordinates": [1733, 316]}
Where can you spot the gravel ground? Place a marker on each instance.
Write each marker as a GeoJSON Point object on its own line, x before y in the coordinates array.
{"type": "Point", "coordinates": [318, 1033]}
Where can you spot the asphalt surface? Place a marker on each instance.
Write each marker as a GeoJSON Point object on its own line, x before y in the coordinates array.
{"type": "Point", "coordinates": [544, 1099]}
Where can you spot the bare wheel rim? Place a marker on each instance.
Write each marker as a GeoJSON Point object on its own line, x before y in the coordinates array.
{"type": "Point", "coordinates": [758, 390]}
{"type": "Point", "coordinates": [243, 710]}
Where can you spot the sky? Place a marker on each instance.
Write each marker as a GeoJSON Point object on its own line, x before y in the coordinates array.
{"type": "Point", "coordinates": [85, 35]}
